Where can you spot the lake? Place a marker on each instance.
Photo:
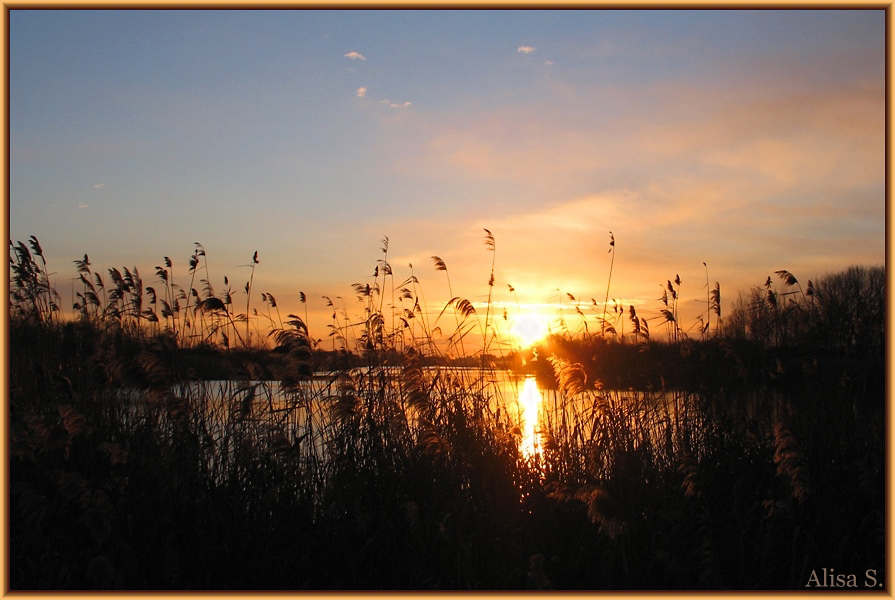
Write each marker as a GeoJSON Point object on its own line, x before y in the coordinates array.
{"type": "Point", "coordinates": [312, 410]}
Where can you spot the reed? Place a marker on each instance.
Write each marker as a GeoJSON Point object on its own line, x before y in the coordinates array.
{"type": "Point", "coordinates": [608, 280]}
{"type": "Point", "coordinates": [386, 463]}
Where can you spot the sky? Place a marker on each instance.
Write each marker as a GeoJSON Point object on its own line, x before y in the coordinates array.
{"type": "Point", "coordinates": [714, 145]}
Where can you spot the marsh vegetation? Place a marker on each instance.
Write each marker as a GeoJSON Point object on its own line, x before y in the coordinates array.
{"type": "Point", "coordinates": [179, 436]}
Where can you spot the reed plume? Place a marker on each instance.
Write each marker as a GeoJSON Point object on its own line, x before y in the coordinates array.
{"type": "Point", "coordinates": [790, 460]}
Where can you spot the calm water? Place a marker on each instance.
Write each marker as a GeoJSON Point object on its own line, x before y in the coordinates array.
{"type": "Point", "coordinates": [305, 417]}
{"type": "Point", "coordinates": [305, 408]}
{"type": "Point", "coordinates": [518, 401]}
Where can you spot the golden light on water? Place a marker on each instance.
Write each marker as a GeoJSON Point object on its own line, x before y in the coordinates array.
{"type": "Point", "coordinates": [529, 412]}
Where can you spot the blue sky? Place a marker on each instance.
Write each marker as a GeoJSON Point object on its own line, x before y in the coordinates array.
{"type": "Point", "coordinates": [749, 140]}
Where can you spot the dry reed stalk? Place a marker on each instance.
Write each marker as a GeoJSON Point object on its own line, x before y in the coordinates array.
{"type": "Point", "coordinates": [609, 279]}
{"type": "Point", "coordinates": [791, 463]}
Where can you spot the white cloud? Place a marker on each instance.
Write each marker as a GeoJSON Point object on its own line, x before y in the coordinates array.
{"type": "Point", "coordinates": [99, 185]}
{"type": "Point", "coordinates": [525, 49]}
{"type": "Point", "coordinates": [395, 104]}
{"type": "Point", "coordinates": [83, 205]}
{"type": "Point", "coordinates": [355, 56]}
{"type": "Point", "coordinates": [361, 92]}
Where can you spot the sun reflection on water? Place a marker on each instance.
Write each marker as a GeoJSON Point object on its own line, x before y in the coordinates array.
{"type": "Point", "coordinates": [529, 400]}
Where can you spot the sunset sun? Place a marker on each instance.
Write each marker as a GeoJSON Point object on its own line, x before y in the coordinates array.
{"type": "Point", "coordinates": [528, 329]}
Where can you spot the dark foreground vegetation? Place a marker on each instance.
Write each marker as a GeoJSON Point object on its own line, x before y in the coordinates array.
{"type": "Point", "coordinates": [749, 458]}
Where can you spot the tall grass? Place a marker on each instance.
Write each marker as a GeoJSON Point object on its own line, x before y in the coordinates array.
{"type": "Point", "coordinates": [386, 463]}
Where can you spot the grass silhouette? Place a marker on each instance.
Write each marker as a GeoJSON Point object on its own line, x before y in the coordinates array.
{"type": "Point", "coordinates": [156, 444]}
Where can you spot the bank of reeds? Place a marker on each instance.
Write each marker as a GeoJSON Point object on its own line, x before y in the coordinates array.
{"type": "Point", "coordinates": [387, 468]}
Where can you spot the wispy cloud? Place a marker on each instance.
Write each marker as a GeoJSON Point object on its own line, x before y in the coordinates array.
{"type": "Point", "coordinates": [557, 247]}
{"type": "Point", "coordinates": [730, 172]}
{"type": "Point", "coordinates": [83, 205]}
{"type": "Point", "coordinates": [395, 104]}
{"type": "Point", "coordinates": [99, 185]}
{"type": "Point", "coordinates": [771, 140]}
{"type": "Point", "coordinates": [355, 56]}
{"type": "Point", "coordinates": [517, 145]}
{"type": "Point", "coordinates": [361, 92]}
{"type": "Point", "coordinates": [525, 49]}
